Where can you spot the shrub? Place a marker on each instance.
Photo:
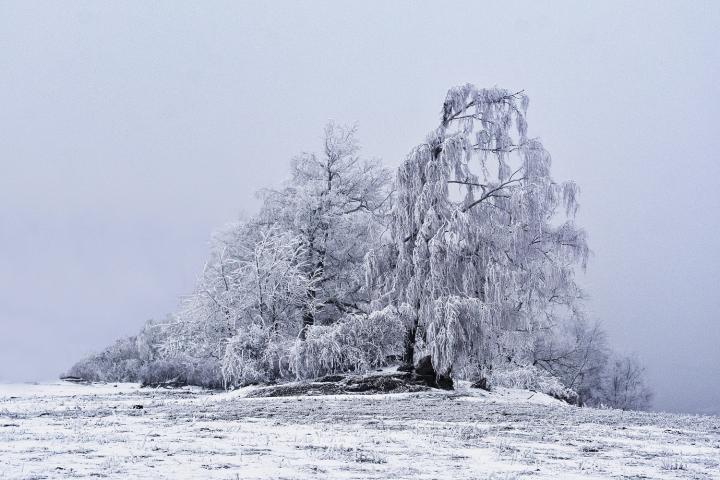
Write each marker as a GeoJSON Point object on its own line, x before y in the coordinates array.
{"type": "Point", "coordinates": [244, 361]}
{"type": "Point", "coordinates": [119, 362]}
{"type": "Point", "coordinates": [532, 378]}
{"type": "Point", "coordinates": [355, 343]}
{"type": "Point", "coordinates": [182, 371]}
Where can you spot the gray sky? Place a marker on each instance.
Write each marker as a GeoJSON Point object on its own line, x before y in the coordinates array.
{"type": "Point", "coordinates": [129, 131]}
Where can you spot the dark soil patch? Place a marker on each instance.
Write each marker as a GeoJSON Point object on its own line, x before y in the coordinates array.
{"type": "Point", "coordinates": [348, 384]}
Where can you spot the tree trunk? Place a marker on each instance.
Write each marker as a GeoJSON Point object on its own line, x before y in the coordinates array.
{"type": "Point", "coordinates": [308, 317]}
{"type": "Point", "coordinates": [409, 354]}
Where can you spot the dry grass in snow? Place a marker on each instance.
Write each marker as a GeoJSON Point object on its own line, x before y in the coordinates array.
{"type": "Point", "coordinates": [94, 431]}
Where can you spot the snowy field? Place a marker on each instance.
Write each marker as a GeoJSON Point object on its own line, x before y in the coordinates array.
{"type": "Point", "coordinates": [98, 431]}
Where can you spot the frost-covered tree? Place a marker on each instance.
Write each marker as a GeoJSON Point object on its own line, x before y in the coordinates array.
{"type": "Point", "coordinates": [575, 352]}
{"type": "Point", "coordinates": [479, 253]}
{"type": "Point", "coordinates": [271, 279]}
{"type": "Point", "coordinates": [300, 260]}
{"type": "Point", "coordinates": [120, 362]}
{"type": "Point", "coordinates": [337, 204]}
{"type": "Point", "coordinates": [624, 384]}
{"type": "Point", "coordinates": [126, 360]}
{"type": "Point", "coordinates": [253, 288]}
{"type": "Point", "coordinates": [469, 257]}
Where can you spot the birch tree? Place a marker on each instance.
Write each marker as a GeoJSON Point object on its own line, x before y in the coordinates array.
{"type": "Point", "coordinates": [480, 256]}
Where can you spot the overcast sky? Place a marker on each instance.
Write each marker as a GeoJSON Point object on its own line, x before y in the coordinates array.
{"type": "Point", "coordinates": [129, 131]}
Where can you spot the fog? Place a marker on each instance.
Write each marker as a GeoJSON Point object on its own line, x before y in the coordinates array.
{"type": "Point", "coordinates": [129, 131]}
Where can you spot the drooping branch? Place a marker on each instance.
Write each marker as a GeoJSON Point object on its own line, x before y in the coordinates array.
{"type": "Point", "coordinates": [493, 192]}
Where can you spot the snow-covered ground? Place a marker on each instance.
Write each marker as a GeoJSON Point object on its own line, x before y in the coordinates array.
{"type": "Point", "coordinates": [68, 431]}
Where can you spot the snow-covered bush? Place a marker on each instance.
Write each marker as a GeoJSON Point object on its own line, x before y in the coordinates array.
{"type": "Point", "coordinates": [102, 369]}
{"type": "Point", "coordinates": [355, 343]}
{"type": "Point", "coordinates": [182, 371]}
{"type": "Point", "coordinates": [161, 371]}
{"type": "Point", "coordinates": [532, 378]}
{"type": "Point", "coordinates": [243, 362]}
{"type": "Point", "coordinates": [150, 338]}
{"type": "Point", "coordinates": [120, 362]}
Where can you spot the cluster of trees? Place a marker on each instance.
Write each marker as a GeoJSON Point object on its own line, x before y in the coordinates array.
{"type": "Point", "coordinates": [467, 255]}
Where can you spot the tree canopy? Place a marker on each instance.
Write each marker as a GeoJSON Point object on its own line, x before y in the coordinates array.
{"type": "Point", "coordinates": [467, 258]}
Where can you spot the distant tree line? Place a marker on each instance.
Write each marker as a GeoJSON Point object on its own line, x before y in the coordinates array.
{"type": "Point", "coordinates": [468, 255]}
